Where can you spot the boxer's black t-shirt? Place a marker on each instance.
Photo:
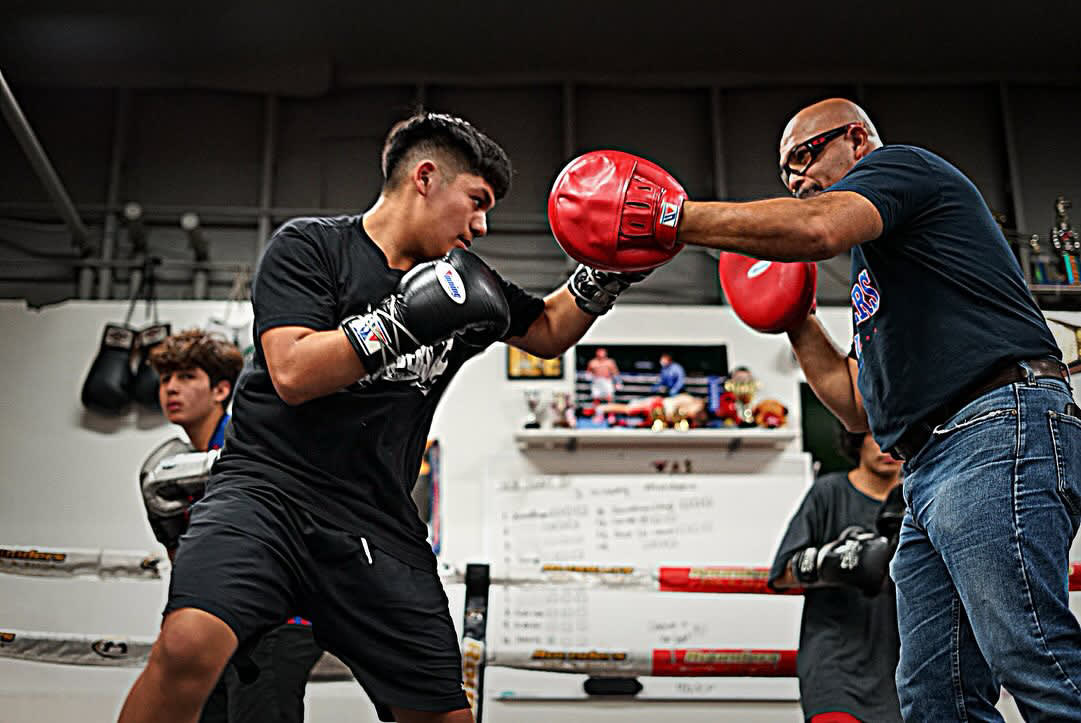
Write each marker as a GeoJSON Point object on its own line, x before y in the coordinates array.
{"type": "Point", "coordinates": [350, 458]}
{"type": "Point", "coordinates": [849, 645]}
{"type": "Point", "coordinates": [938, 300]}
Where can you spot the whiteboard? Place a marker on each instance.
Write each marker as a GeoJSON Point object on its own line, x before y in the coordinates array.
{"type": "Point", "coordinates": [641, 520]}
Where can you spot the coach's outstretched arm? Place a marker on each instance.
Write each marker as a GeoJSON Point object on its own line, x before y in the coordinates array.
{"type": "Point", "coordinates": [594, 211]}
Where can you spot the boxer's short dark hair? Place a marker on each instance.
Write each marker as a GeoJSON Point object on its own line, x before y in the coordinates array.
{"type": "Point", "coordinates": [199, 349]}
{"type": "Point", "coordinates": [469, 148]}
{"type": "Point", "coordinates": [849, 444]}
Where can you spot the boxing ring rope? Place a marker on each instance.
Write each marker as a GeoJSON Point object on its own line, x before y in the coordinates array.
{"type": "Point", "coordinates": [76, 562]}
{"type": "Point", "coordinates": [661, 662]}
{"type": "Point", "coordinates": [728, 579]}
{"type": "Point", "coordinates": [614, 665]}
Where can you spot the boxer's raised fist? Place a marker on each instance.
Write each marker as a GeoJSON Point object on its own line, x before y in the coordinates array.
{"type": "Point", "coordinates": [616, 212]}
{"type": "Point", "coordinates": [457, 295]}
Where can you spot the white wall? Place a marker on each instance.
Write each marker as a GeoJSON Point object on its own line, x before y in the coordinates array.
{"type": "Point", "coordinates": [68, 479]}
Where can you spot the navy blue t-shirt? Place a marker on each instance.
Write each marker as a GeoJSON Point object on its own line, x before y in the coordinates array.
{"type": "Point", "coordinates": [938, 300]}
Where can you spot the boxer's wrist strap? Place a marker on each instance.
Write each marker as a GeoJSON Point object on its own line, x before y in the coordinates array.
{"type": "Point", "coordinates": [377, 337]}
{"type": "Point", "coordinates": [596, 291]}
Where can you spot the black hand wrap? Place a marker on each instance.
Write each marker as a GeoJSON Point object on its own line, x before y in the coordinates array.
{"type": "Point", "coordinates": [596, 291]}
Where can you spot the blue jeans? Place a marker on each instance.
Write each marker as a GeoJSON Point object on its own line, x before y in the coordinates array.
{"type": "Point", "coordinates": [994, 502]}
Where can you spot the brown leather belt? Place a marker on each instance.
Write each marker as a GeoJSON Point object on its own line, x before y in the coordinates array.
{"type": "Point", "coordinates": [917, 434]}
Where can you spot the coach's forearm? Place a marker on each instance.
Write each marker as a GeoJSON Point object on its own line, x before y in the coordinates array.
{"type": "Point", "coordinates": [780, 229]}
{"type": "Point", "coordinates": [828, 372]}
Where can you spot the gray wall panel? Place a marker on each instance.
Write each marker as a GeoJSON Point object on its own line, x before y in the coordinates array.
{"type": "Point", "coordinates": [194, 148]}
{"type": "Point", "coordinates": [76, 129]}
{"type": "Point", "coordinates": [961, 124]}
{"type": "Point", "coordinates": [190, 149]}
{"type": "Point", "coordinates": [669, 127]}
{"type": "Point", "coordinates": [328, 148]}
{"type": "Point", "coordinates": [1045, 121]}
{"type": "Point", "coordinates": [753, 121]}
{"type": "Point", "coordinates": [528, 123]}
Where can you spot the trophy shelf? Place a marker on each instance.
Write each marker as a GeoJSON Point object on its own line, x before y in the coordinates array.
{"type": "Point", "coordinates": [726, 439]}
{"type": "Point", "coordinates": [1054, 289]}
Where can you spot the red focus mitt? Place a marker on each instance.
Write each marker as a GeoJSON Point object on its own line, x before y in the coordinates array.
{"type": "Point", "coordinates": [769, 296]}
{"type": "Point", "coordinates": [616, 212]}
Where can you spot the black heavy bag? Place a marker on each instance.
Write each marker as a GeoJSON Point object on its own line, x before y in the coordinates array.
{"type": "Point", "coordinates": [145, 389]}
{"type": "Point", "coordinates": [108, 383]}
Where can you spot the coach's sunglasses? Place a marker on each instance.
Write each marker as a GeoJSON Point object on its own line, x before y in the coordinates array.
{"type": "Point", "coordinates": [802, 156]}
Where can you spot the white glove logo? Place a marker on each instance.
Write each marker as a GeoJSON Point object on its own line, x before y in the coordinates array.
{"type": "Point", "coordinates": [758, 268]}
{"type": "Point", "coordinates": [450, 281]}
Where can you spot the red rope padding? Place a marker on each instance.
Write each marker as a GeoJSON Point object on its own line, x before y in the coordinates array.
{"type": "Point", "coordinates": [747, 580]}
{"type": "Point", "coordinates": [715, 663]}
{"type": "Point", "coordinates": [752, 580]}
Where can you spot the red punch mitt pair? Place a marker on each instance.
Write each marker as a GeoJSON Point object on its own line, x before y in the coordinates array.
{"type": "Point", "coordinates": [614, 211]}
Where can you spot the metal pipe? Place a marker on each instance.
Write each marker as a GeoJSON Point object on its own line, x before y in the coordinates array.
{"type": "Point", "coordinates": [1012, 161]}
{"type": "Point", "coordinates": [1014, 179]}
{"type": "Point", "coordinates": [266, 189]}
{"type": "Point", "coordinates": [192, 226]}
{"type": "Point", "coordinates": [570, 140]}
{"type": "Point", "coordinates": [42, 166]}
{"type": "Point", "coordinates": [112, 192]}
{"type": "Point", "coordinates": [190, 223]}
{"type": "Point", "coordinates": [133, 219]}
{"type": "Point", "coordinates": [716, 127]}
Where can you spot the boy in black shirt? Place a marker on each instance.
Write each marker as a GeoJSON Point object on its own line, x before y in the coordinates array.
{"type": "Point", "coordinates": [198, 372]}
{"type": "Point", "coordinates": [848, 644]}
{"type": "Point", "coordinates": [361, 322]}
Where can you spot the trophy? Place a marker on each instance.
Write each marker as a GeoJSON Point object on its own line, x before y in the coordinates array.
{"type": "Point", "coordinates": [744, 386]}
{"type": "Point", "coordinates": [1038, 261]}
{"type": "Point", "coordinates": [563, 411]}
{"type": "Point", "coordinates": [1066, 243]}
{"type": "Point", "coordinates": [533, 404]}
{"type": "Point", "coordinates": [658, 421]}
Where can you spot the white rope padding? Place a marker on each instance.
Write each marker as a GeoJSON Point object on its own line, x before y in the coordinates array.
{"type": "Point", "coordinates": [114, 651]}
{"type": "Point", "coordinates": [73, 562]}
{"type": "Point", "coordinates": [75, 649]}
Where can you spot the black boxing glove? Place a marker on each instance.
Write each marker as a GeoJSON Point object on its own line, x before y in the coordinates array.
{"type": "Point", "coordinates": [456, 295]}
{"type": "Point", "coordinates": [596, 291]}
{"type": "Point", "coordinates": [107, 387]}
{"type": "Point", "coordinates": [145, 386]}
{"type": "Point", "coordinates": [858, 558]}
{"type": "Point", "coordinates": [171, 480]}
